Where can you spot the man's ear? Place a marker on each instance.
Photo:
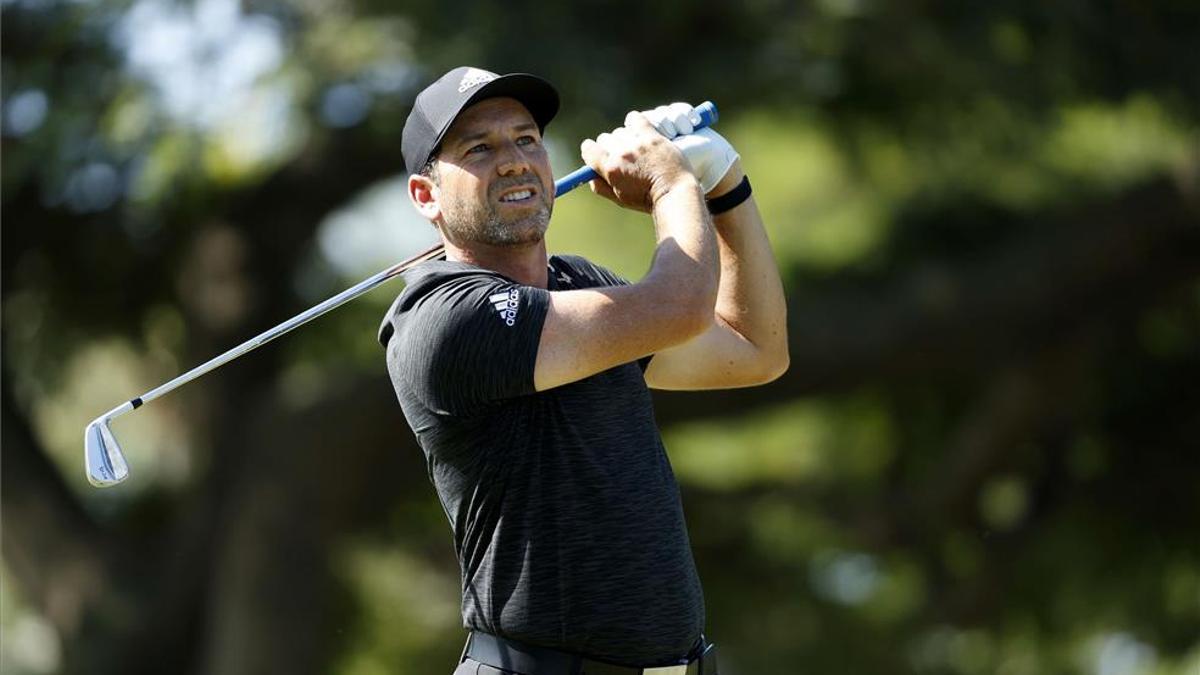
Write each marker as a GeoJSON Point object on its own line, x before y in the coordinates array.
{"type": "Point", "coordinates": [424, 195]}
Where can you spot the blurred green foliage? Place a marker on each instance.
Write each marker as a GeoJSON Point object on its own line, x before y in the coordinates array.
{"type": "Point", "coordinates": [983, 460]}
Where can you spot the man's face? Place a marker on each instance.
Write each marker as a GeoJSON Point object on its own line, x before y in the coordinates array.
{"type": "Point", "coordinates": [493, 176]}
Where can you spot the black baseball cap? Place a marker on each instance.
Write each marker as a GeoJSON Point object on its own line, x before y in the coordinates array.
{"type": "Point", "coordinates": [439, 104]}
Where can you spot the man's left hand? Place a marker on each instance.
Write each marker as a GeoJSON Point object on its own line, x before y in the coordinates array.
{"type": "Point", "coordinates": [708, 152]}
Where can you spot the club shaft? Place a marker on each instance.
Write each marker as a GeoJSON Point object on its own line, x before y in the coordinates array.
{"type": "Point", "coordinates": [291, 324]}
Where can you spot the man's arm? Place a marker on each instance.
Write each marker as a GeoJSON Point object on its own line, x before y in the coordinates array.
{"type": "Point", "coordinates": [589, 331]}
{"type": "Point", "coordinates": [745, 341]}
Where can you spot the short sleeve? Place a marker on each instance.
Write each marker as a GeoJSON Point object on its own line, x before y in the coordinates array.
{"type": "Point", "coordinates": [470, 342]}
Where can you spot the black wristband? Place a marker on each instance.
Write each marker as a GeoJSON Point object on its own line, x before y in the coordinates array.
{"type": "Point", "coordinates": [730, 199]}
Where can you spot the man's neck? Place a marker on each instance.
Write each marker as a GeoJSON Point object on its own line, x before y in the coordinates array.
{"type": "Point", "coordinates": [525, 264]}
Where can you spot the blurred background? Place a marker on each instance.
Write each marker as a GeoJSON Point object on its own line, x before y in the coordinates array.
{"type": "Point", "coordinates": [984, 458]}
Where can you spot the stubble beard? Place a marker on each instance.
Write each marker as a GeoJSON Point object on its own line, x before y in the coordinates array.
{"type": "Point", "coordinates": [483, 224]}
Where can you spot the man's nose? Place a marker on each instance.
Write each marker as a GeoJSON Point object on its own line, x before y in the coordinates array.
{"type": "Point", "coordinates": [513, 161]}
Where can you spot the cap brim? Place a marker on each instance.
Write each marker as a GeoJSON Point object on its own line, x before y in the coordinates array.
{"type": "Point", "coordinates": [537, 95]}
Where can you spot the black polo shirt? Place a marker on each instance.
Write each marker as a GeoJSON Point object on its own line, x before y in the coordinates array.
{"type": "Point", "coordinates": [566, 515]}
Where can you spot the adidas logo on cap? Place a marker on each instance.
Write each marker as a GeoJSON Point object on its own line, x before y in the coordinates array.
{"type": "Point", "coordinates": [506, 304]}
{"type": "Point", "coordinates": [473, 78]}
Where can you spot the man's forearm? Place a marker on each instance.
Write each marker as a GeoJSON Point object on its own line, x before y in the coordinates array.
{"type": "Point", "coordinates": [686, 261]}
{"type": "Point", "coordinates": [750, 293]}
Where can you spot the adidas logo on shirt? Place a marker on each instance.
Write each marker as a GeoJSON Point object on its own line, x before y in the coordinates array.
{"type": "Point", "coordinates": [506, 304]}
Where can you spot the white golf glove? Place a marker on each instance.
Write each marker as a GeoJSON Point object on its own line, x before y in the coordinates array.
{"type": "Point", "coordinates": [708, 152]}
{"type": "Point", "coordinates": [673, 120]}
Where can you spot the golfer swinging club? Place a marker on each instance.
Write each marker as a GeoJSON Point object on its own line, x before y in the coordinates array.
{"type": "Point", "coordinates": [526, 377]}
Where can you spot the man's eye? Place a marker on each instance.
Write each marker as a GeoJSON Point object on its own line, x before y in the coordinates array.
{"type": "Point", "coordinates": [477, 148]}
{"type": "Point", "coordinates": [526, 140]}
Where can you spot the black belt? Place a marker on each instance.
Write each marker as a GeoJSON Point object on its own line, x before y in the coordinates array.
{"type": "Point", "coordinates": [510, 655]}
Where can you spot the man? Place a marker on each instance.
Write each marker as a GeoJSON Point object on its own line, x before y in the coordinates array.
{"type": "Point", "coordinates": [525, 377]}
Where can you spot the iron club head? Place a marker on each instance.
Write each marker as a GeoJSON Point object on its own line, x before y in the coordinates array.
{"type": "Point", "coordinates": [105, 464]}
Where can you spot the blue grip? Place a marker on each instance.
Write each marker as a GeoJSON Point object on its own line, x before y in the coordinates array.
{"type": "Point", "coordinates": [707, 112]}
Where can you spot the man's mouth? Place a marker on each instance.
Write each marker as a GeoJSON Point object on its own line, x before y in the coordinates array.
{"type": "Point", "coordinates": [521, 195]}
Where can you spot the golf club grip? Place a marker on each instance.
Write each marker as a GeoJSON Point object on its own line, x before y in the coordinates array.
{"type": "Point", "coordinates": [707, 112]}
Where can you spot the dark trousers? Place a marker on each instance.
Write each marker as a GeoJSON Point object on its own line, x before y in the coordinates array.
{"type": "Point", "coordinates": [472, 667]}
{"type": "Point", "coordinates": [469, 666]}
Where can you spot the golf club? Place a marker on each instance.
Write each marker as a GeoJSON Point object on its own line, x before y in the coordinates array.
{"type": "Point", "coordinates": [102, 455]}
